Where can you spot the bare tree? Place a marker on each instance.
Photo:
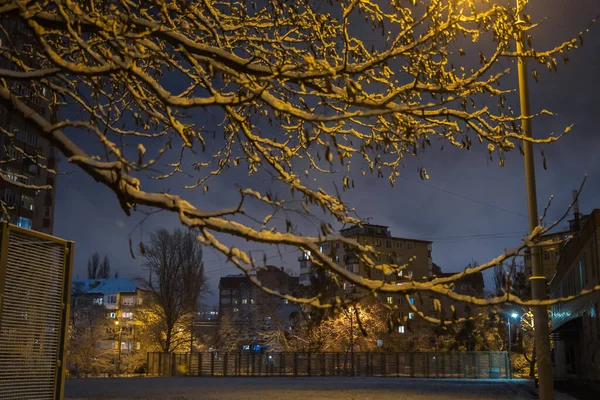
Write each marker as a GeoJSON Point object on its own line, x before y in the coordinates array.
{"type": "Point", "coordinates": [97, 269]}
{"type": "Point", "coordinates": [93, 268]}
{"type": "Point", "coordinates": [301, 90]}
{"type": "Point", "coordinates": [104, 271]}
{"type": "Point", "coordinates": [88, 329]}
{"type": "Point", "coordinates": [176, 281]}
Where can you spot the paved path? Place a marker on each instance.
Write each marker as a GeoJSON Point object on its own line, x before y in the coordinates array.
{"type": "Point", "coordinates": [299, 389]}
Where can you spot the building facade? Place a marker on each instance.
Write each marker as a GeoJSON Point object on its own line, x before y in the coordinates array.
{"type": "Point", "coordinates": [252, 310]}
{"type": "Point", "coordinates": [109, 307]}
{"type": "Point", "coordinates": [28, 160]}
{"type": "Point", "coordinates": [576, 324]}
{"type": "Point", "coordinates": [550, 254]}
{"type": "Point", "coordinates": [392, 250]}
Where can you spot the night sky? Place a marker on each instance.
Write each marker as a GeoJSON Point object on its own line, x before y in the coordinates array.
{"type": "Point", "coordinates": [466, 197]}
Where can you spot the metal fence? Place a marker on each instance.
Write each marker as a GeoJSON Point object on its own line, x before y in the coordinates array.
{"type": "Point", "coordinates": [478, 365]}
{"type": "Point", "coordinates": [34, 304]}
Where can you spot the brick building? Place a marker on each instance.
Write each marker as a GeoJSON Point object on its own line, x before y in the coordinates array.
{"type": "Point", "coordinates": [576, 325]}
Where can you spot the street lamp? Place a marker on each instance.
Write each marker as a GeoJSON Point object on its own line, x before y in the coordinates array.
{"type": "Point", "coordinates": [118, 366]}
{"type": "Point", "coordinates": [513, 315]}
{"type": "Point", "coordinates": [351, 309]}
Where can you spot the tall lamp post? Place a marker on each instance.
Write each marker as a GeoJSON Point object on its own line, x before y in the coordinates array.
{"type": "Point", "coordinates": [538, 280]}
{"type": "Point", "coordinates": [118, 366]}
{"type": "Point", "coordinates": [351, 309]}
{"type": "Point", "coordinates": [510, 369]}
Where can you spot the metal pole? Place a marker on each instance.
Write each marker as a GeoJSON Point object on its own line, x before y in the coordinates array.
{"type": "Point", "coordinates": [538, 279]}
{"type": "Point", "coordinates": [119, 351]}
{"type": "Point", "coordinates": [352, 342]}
{"type": "Point", "coordinates": [191, 344]}
{"type": "Point", "coordinates": [509, 349]}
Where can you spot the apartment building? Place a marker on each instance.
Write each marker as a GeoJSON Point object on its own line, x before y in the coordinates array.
{"type": "Point", "coordinates": [415, 253]}
{"type": "Point", "coordinates": [26, 157]}
{"type": "Point", "coordinates": [549, 255]}
{"type": "Point", "coordinates": [114, 303]}
{"type": "Point", "coordinates": [576, 324]}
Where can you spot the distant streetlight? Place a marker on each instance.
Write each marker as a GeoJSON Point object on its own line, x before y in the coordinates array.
{"type": "Point", "coordinates": [513, 315]}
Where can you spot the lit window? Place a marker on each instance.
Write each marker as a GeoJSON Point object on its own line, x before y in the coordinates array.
{"type": "Point", "coordinates": [127, 315]}
{"type": "Point", "coordinates": [236, 309]}
{"type": "Point", "coordinates": [411, 315]}
{"type": "Point", "coordinates": [111, 299]}
{"type": "Point", "coordinates": [244, 301]}
{"type": "Point", "coordinates": [286, 301]}
{"type": "Point", "coordinates": [412, 300]}
{"type": "Point", "coordinates": [401, 329]}
{"type": "Point", "coordinates": [24, 222]}
{"type": "Point", "coordinates": [113, 315]}
{"type": "Point", "coordinates": [98, 301]}
{"type": "Point", "coordinates": [251, 301]}
{"type": "Point", "coordinates": [128, 301]}
{"type": "Point", "coordinates": [390, 300]}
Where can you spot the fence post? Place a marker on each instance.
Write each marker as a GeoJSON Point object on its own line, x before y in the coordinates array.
{"type": "Point", "coordinates": [323, 366]}
{"type": "Point", "coordinates": [173, 364]}
{"type": "Point", "coordinates": [147, 363]}
{"type": "Point", "coordinates": [444, 364]}
{"type": "Point", "coordinates": [199, 364]}
{"type": "Point", "coordinates": [383, 364]}
{"type": "Point", "coordinates": [426, 355]}
{"type": "Point", "coordinates": [295, 364]}
{"type": "Point", "coordinates": [477, 374]}
{"type": "Point", "coordinates": [281, 364]}
{"type": "Point", "coordinates": [212, 364]}
{"type": "Point", "coordinates": [253, 362]}
{"type": "Point", "coordinates": [411, 361]}
{"type": "Point", "coordinates": [337, 364]}
{"type": "Point", "coordinates": [507, 365]}
{"type": "Point", "coordinates": [260, 358]}
{"type": "Point", "coordinates": [397, 364]}
{"type": "Point", "coordinates": [308, 365]}
{"type": "Point", "coordinates": [459, 370]}
{"type": "Point", "coordinates": [225, 362]}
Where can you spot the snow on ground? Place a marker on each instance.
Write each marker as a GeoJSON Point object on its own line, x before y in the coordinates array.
{"type": "Point", "coordinates": [314, 388]}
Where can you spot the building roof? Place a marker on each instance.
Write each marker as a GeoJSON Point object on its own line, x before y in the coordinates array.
{"type": "Point", "coordinates": [378, 231]}
{"type": "Point", "coordinates": [104, 286]}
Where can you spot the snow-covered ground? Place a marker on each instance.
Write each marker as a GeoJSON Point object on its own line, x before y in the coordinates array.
{"type": "Point", "coordinates": [299, 389]}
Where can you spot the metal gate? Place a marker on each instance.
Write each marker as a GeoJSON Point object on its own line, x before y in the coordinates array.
{"type": "Point", "coordinates": [35, 275]}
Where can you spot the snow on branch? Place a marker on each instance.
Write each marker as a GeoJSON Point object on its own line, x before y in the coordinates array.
{"type": "Point", "coordinates": [293, 89]}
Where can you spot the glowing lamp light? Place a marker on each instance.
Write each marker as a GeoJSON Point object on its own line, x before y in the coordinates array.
{"type": "Point", "coordinates": [514, 315]}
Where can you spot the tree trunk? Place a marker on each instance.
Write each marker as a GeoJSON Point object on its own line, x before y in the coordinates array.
{"type": "Point", "coordinates": [532, 365]}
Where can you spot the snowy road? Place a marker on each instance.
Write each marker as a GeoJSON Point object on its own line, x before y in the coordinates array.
{"type": "Point", "coordinates": [298, 389]}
